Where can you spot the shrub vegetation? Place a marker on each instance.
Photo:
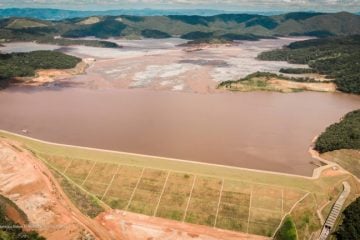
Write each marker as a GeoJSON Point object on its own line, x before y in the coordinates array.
{"type": "Point", "coordinates": [10, 230]}
{"type": "Point", "coordinates": [287, 230]}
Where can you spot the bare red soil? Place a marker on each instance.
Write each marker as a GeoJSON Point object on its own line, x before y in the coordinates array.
{"type": "Point", "coordinates": [29, 184]}
{"type": "Point", "coordinates": [131, 226]}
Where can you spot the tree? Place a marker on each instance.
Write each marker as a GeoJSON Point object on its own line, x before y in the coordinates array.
{"type": "Point", "coordinates": [350, 227]}
{"type": "Point", "coordinates": [287, 230]}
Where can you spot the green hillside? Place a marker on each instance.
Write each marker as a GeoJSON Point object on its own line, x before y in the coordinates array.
{"type": "Point", "coordinates": [342, 135]}
{"type": "Point", "coordinates": [336, 57]}
{"type": "Point", "coordinates": [106, 28]}
{"type": "Point", "coordinates": [25, 23]}
{"type": "Point", "coordinates": [25, 64]}
{"type": "Point", "coordinates": [150, 33]}
{"type": "Point", "coordinates": [349, 228]}
{"type": "Point", "coordinates": [233, 26]}
{"type": "Point", "coordinates": [288, 24]}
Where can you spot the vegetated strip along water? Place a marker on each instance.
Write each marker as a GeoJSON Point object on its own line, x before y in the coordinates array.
{"type": "Point", "coordinates": [261, 130]}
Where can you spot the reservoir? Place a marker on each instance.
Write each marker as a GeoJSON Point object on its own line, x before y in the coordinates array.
{"type": "Point", "coordinates": [260, 130]}
{"type": "Point", "coordinates": [156, 97]}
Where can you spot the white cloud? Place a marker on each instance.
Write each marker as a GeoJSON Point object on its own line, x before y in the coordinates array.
{"type": "Point", "coordinates": [316, 5]}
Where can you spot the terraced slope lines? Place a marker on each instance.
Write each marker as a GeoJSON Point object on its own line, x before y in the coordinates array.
{"type": "Point", "coordinates": [250, 207]}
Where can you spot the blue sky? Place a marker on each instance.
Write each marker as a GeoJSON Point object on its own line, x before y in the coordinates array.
{"type": "Point", "coordinates": [238, 5]}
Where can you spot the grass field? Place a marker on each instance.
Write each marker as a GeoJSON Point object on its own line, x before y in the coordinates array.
{"type": "Point", "coordinates": [217, 196]}
{"type": "Point", "coordinates": [347, 158]}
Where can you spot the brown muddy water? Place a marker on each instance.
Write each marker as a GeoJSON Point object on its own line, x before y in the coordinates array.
{"type": "Point", "coordinates": [163, 65]}
{"type": "Point", "coordinates": [262, 130]}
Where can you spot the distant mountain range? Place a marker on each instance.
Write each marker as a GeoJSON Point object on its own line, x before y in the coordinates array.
{"type": "Point", "coordinates": [59, 14]}
{"type": "Point", "coordinates": [194, 27]}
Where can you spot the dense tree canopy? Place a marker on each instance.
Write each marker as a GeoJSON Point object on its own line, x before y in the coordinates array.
{"type": "Point", "coordinates": [342, 135]}
{"type": "Point", "coordinates": [25, 64]}
{"type": "Point", "coordinates": [350, 227]}
{"type": "Point", "coordinates": [110, 27]}
{"type": "Point", "coordinates": [297, 70]}
{"type": "Point", "coordinates": [336, 57]}
{"type": "Point", "coordinates": [150, 33]}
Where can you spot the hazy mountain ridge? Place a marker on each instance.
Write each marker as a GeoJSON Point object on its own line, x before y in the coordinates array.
{"type": "Point", "coordinates": [237, 25]}
{"type": "Point", "coordinates": [59, 14]}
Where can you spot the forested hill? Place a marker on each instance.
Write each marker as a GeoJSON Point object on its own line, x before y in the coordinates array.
{"type": "Point", "coordinates": [336, 57]}
{"type": "Point", "coordinates": [25, 64]}
{"type": "Point", "coordinates": [235, 26]}
{"type": "Point", "coordinates": [349, 228]}
{"type": "Point", "coordinates": [342, 135]}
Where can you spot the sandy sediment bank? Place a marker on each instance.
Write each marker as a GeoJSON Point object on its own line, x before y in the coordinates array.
{"type": "Point", "coordinates": [288, 86]}
{"type": "Point", "coordinates": [277, 85]}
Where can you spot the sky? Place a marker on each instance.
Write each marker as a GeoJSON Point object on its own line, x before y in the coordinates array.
{"type": "Point", "coordinates": [234, 5]}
